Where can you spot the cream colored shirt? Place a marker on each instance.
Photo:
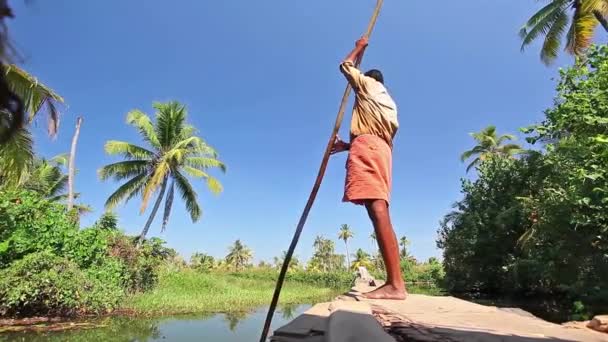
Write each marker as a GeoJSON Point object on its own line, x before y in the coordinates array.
{"type": "Point", "coordinates": [374, 112]}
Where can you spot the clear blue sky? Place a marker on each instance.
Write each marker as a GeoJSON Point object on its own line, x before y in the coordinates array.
{"type": "Point", "coordinates": [261, 81]}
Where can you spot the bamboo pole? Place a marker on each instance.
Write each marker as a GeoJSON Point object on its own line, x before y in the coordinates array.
{"type": "Point", "coordinates": [315, 188]}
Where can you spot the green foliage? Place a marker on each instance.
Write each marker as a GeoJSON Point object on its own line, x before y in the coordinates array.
{"type": "Point", "coordinates": [88, 270]}
{"type": "Point", "coordinates": [202, 262]}
{"type": "Point", "coordinates": [107, 221]}
{"type": "Point", "coordinates": [31, 224]}
{"type": "Point", "coordinates": [44, 284]}
{"type": "Point", "coordinates": [189, 291]}
{"type": "Point", "coordinates": [539, 224]}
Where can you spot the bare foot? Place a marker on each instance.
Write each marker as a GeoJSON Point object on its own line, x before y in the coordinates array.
{"type": "Point", "coordinates": [387, 291]}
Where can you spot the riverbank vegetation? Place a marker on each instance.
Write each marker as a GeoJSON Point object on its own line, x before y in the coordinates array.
{"type": "Point", "coordinates": [50, 266]}
{"type": "Point", "coordinates": [535, 223]}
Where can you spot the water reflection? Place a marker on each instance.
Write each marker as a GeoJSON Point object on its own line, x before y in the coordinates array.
{"type": "Point", "coordinates": [288, 311]}
{"type": "Point", "coordinates": [233, 319]}
{"type": "Point", "coordinates": [232, 327]}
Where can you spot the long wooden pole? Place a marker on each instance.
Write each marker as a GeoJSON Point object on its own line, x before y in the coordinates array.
{"type": "Point", "coordinates": [315, 188]}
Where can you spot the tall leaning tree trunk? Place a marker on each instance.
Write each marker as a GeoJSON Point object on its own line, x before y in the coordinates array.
{"type": "Point", "coordinates": [72, 166]}
{"type": "Point", "coordinates": [144, 231]}
{"type": "Point", "coordinates": [347, 255]}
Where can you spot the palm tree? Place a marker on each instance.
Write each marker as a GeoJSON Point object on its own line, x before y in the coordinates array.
{"type": "Point", "coordinates": [489, 144]}
{"type": "Point", "coordinates": [362, 259]}
{"type": "Point", "coordinates": [404, 243]}
{"type": "Point", "coordinates": [552, 20]}
{"type": "Point", "coordinates": [202, 262]}
{"type": "Point", "coordinates": [324, 255]}
{"type": "Point", "coordinates": [293, 264]}
{"type": "Point", "coordinates": [47, 178]}
{"type": "Point", "coordinates": [17, 151]}
{"type": "Point", "coordinates": [35, 96]}
{"type": "Point", "coordinates": [173, 151]}
{"type": "Point", "coordinates": [239, 255]}
{"type": "Point", "coordinates": [345, 234]}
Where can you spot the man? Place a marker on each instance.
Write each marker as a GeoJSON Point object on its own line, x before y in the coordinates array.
{"type": "Point", "coordinates": [368, 168]}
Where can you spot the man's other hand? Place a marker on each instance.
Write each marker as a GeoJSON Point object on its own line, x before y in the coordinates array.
{"type": "Point", "coordinates": [339, 146]}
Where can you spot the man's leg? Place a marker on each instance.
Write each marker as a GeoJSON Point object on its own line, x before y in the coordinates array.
{"type": "Point", "coordinates": [394, 288]}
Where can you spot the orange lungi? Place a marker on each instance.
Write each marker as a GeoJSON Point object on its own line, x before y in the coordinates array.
{"type": "Point", "coordinates": [368, 170]}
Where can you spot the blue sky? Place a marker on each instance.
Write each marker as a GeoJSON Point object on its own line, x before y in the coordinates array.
{"type": "Point", "coordinates": [261, 81]}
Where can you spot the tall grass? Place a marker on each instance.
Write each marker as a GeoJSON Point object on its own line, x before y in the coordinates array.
{"type": "Point", "coordinates": [188, 291]}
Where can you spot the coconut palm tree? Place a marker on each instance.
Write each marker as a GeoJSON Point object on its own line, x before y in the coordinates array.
{"type": "Point", "coordinates": [345, 234]}
{"type": "Point", "coordinates": [293, 264]}
{"type": "Point", "coordinates": [47, 178]}
{"type": "Point", "coordinates": [202, 262]}
{"type": "Point", "coordinates": [489, 144]}
{"type": "Point", "coordinates": [362, 259]}
{"type": "Point", "coordinates": [173, 152]}
{"type": "Point", "coordinates": [577, 19]}
{"type": "Point", "coordinates": [239, 255]}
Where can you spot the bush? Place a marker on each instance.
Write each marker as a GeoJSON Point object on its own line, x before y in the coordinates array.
{"type": "Point", "coordinates": [31, 224]}
{"type": "Point", "coordinates": [44, 284]}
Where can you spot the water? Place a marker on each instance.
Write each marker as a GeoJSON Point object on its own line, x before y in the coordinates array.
{"type": "Point", "coordinates": [235, 327]}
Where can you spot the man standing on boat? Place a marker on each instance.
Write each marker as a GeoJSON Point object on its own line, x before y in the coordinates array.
{"type": "Point", "coordinates": [369, 165]}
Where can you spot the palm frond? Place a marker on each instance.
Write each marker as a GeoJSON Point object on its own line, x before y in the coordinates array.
{"type": "Point", "coordinates": [34, 94]}
{"type": "Point", "coordinates": [128, 190]}
{"type": "Point", "coordinates": [170, 119]}
{"type": "Point", "coordinates": [16, 156]}
{"type": "Point", "coordinates": [474, 163]}
{"type": "Point", "coordinates": [542, 21]}
{"type": "Point", "coordinates": [188, 195]}
{"type": "Point", "coordinates": [128, 150]}
{"type": "Point", "coordinates": [213, 184]}
{"type": "Point", "coordinates": [144, 125]}
{"type": "Point", "coordinates": [124, 169]}
{"type": "Point", "coordinates": [168, 205]}
{"type": "Point", "coordinates": [204, 163]}
{"type": "Point", "coordinates": [505, 137]}
{"type": "Point", "coordinates": [474, 151]}
{"type": "Point", "coordinates": [581, 32]}
{"type": "Point", "coordinates": [60, 159]}
{"type": "Point", "coordinates": [58, 186]}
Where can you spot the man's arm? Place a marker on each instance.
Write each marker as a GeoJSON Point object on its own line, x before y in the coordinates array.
{"type": "Point", "coordinates": [360, 46]}
{"type": "Point", "coordinates": [352, 74]}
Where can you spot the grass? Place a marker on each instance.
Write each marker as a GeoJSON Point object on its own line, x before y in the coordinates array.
{"type": "Point", "coordinates": [188, 291]}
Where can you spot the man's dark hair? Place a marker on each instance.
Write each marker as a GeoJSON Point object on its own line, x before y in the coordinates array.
{"type": "Point", "coordinates": [375, 74]}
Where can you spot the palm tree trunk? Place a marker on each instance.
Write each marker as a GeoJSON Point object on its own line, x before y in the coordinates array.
{"type": "Point", "coordinates": [142, 236]}
{"type": "Point", "coordinates": [71, 166]}
{"type": "Point", "coordinates": [602, 20]}
{"type": "Point", "coordinates": [347, 256]}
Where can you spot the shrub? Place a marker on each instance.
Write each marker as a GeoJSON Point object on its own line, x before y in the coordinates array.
{"type": "Point", "coordinates": [31, 224]}
{"type": "Point", "coordinates": [45, 284]}
{"type": "Point", "coordinates": [89, 247]}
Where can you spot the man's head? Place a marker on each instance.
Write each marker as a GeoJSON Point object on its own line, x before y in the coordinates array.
{"type": "Point", "coordinates": [375, 74]}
